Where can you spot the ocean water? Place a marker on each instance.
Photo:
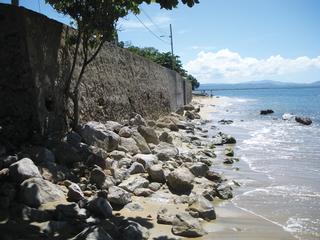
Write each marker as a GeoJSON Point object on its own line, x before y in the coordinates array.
{"type": "Point", "coordinates": [284, 156]}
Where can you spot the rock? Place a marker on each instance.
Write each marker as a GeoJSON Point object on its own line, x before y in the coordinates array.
{"type": "Point", "coordinates": [166, 137]}
{"type": "Point", "coordinates": [213, 176]}
{"type": "Point", "coordinates": [134, 182]}
{"type": "Point", "coordinates": [137, 120]}
{"type": "Point", "coordinates": [164, 217]}
{"type": "Point", "coordinates": [186, 226]}
{"type": "Point", "coordinates": [97, 134]}
{"type": "Point", "coordinates": [136, 168]}
{"type": "Point", "coordinates": [202, 208]}
{"type": "Point", "coordinates": [95, 159]}
{"type": "Point", "coordinates": [34, 215]}
{"type": "Point", "coordinates": [149, 134]}
{"type": "Point", "coordinates": [224, 192]}
{"type": "Point", "coordinates": [113, 126]}
{"type": "Point", "coordinates": [199, 169]}
{"type": "Point", "coordinates": [119, 196]}
{"type": "Point", "coordinates": [173, 127]}
{"type": "Point", "coordinates": [38, 154]}
{"type": "Point", "coordinates": [228, 161]}
{"type": "Point", "coordinates": [229, 152]}
{"type": "Point", "coordinates": [37, 191]}
{"type": "Point", "coordinates": [134, 207]}
{"type": "Point", "coordinates": [75, 194]}
{"type": "Point", "coordinates": [23, 169]}
{"type": "Point", "coordinates": [180, 180]}
{"type": "Point", "coordinates": [230, 140]}
{"type": "Point", "coordinates": [288, 116]}
{"type": "Point", "coordinates": [189, 107]}
{"type": "Point", "coordinates": [141, 142]}
{"type": "Point", "coordinates": [165, 151]}
{"type": "Point", "coordinates": [265, 112]}
{"type": "Point", "coordinates": [94, 233]}
{"type": "Point", "coordinates": [117, 155]}
{"type": "Point", "coordinates": [133, 231]}
{"type": "Point", "coordinates": [147, 160]}
{"type": "Point", "coordinates": [125, 163]}
{"type": "Point", "coordinates": [154, 186]}
{"type": "Point", "coordinates": [4, 173]}
{"type": "Point", "coordinates": [225, 122]}
{"type": "Point", "coordinates": [156, 173]}
{"type": "Point", "coordinates": [125, 132]}
{"type": "Point", "coordinates": [303, 120]}
{"type": "Point", "coordinates": [73, 138]}
{"type": "Point", "coordinates": [71, 211]}
{"type": "Point", "coordinates": [130, 144]}
{"type": "Point", "coordinates": [143, 192]}
{"type": "Point", "coordinates": [100, 207]}
{"type": "Point", "coordinates": [189, 115]}
{"type": "Point", "coordinates": [97, 177]}
{"type": "Point", "coordinates": [66, 154]}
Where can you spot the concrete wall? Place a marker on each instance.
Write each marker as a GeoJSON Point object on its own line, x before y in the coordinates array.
{"type": "Point", "coordinates": [35, 64]}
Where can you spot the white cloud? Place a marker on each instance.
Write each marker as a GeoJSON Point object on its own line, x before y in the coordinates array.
{"type": "Point", "coordinates": [129, 24]}
{"type": "Point", "coordinates": [225, 66]}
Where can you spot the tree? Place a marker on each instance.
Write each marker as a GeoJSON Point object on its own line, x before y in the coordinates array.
{"type": "Point", "coordinates": [95, 21]}
{"type": "Point", "coordinates": [164, 59]}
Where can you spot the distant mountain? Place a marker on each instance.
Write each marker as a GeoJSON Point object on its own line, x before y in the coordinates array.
{"type": "Point", "coordinates": [257, 84]}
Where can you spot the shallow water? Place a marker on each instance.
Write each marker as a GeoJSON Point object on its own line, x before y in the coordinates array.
{"type": "Point", "coordinates": [284, 156]}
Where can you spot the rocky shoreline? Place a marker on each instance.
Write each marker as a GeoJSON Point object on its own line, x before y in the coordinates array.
{"type": "Point", "coordinates": [96, 182]}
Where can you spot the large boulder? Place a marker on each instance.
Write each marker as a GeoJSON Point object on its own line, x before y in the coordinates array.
{"type": "Point", "coordinates": [66, 154]}
{"type": "Point", "coordinates": [134, 182]}
{"type": "Point", "coordinates": [186, 226]}
{"type": "Point", "coordinates": [133, 231]}
{"type": "Point", "coordinates": [125, 132]}
{"type": "Point", "coordinates": [199, 169]}
{"type": "Point", "coordinates": [149, 134]}
{"type": "Point", "coordinates": [38, 154]}
{"type": "Point", "coordinates": [137, 120]}
{"type": "Point", "coordinates": [97, 177]}
{"type": "Point", "coordinates": [23, 169]}
{"type": "Point", "coordinates": [97, 134]}
{"type": "Point", "coordinates": [180, 180]}
{"type": "Point", "coordinates": [156, 173]}
{"type": "Point", "coordinates": [303, 120]}
{"type": "Point", "coordinates": [37, 191]}
{"type": "Point", "coordinates": [119, 196]}
{"type": "Point", "coordinates": [224, 192]}
{"type": "Point", "coordinates": [136, 168]}
{"type": "Point", "coordinates": [164, 217]}
{"type": "Point", "coordinates": [141, 142]}
{"type": "Point", "coordinates": [75, 193]}
{"type": "Point", "coordinates": [147, 160]}
{"type": "Point", "coordinates": [100, 207]}
{"type": "Point", "coordinates": [267, 111]}
{"type": "Point", "coordinates": [201, 208]}
{"type": "Point", "coordinates": [165, 151]}
{"type": "Point", "coordinates": [130, 145]}
{"type": "Point", "coordinates": [165, 137]}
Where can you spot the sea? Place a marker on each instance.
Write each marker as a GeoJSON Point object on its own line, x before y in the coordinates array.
{"type": "Point", "coordinates": [282, 184]}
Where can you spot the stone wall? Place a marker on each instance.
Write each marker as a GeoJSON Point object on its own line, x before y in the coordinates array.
{"type": "Point", "coordinates": [35, 64]}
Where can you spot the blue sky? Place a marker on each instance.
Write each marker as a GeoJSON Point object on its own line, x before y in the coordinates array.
{"type": "Point", "coordinates": [231, 40]}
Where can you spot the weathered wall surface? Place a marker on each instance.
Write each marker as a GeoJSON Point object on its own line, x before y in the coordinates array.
{"type": "Point", "coordinates": [35, 64]}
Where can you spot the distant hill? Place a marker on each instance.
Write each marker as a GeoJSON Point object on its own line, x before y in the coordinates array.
{"type": "Point", "coordinates": [257, 84]}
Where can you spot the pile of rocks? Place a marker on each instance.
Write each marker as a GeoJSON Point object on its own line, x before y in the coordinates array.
{"type": "Point", "coordinates": [70, 189]}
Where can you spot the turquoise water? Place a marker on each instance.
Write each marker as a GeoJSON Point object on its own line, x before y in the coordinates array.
{"type": "Point", "coordinates": [284, 155]}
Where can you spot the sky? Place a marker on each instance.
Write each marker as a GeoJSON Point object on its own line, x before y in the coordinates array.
{"type": "Point", "coordinates": [228, 41]}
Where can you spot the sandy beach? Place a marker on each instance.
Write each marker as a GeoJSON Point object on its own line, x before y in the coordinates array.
{"type": "Point", "coordinates": [231, 223]}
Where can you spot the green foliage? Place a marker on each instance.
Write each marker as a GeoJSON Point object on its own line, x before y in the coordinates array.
{"type": "Point", "coordinates": [164, 59]}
